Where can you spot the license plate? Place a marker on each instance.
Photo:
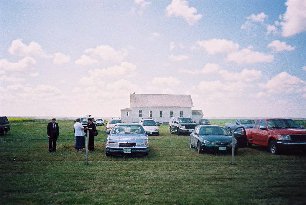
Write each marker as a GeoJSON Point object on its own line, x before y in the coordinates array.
{"type": "Point", "coordinates": [222, 148]}
{"type": "Point", "coordinates": [127, 150]}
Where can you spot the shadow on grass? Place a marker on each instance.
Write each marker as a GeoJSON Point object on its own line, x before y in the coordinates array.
{"type": "Point", "coordinates": [297, 152]}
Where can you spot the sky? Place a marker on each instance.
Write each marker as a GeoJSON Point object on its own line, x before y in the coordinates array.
{"type": "Point", "coordinates": [237, 58]}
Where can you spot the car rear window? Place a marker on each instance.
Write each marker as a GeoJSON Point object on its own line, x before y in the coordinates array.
{"type": "Point", "coordinates": [115, 121]}
{"type": "Point", "coordinates": [149, 123]}
{"type": "Point", "coordinates": [128, 129]}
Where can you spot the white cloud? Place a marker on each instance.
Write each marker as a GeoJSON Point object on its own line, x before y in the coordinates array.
{"type": "Point", "coordinates": [294, 19]}
{"type": "Point", "coordinates": [18, 66]}
{"type": "Point", "coordinates": [41, 91]}
{"type": "Point", "coordinates": [279, 46]}
{"type": "Point", "coordinates": [173, 46]}
{"type": "Point", "coordinates": [33, 93]}
{"type": "Point", "coordinates": [94, 76]}
{"type": "Point", "coordinates": [210, 68]}
{"type": "Point", "coordinates": [100, 54]}
{"type": "Point", "coordinates": [272, 29]}
{"type": "Point", "coordinates": [165, 81]}
{"type": "Point", "coordinates": [19, 48]}
{"type": "Point", "coordinates": [248, 56]}
{"type": "Point", "coordinates": [260, 18]}
{"type": "Point", "coordinates": [106, 52]}
{"type": "Point", "coordinates": [155, 35]}
{"type": "Point", "coordinates": [181, 8]}
{"type": "Point", "coordinates": [178, 58]}
{"type": "Point", "coordinates": [253, 19]}
{"type": "Point", "coordinates": [214, 46]}
{"type": "Point", "coordinates": [285, 83]}
{"type": "Point", "coordinates": [141, 5]}
{"type": "Point", "coordinates": [60, 58]}
{"type": "Point", "coordinates": [242, 56]}
{"type": "Point", "coordinates": [246, 75]}
{"type": "Point", "coordinates": [85, 60]}
{"type": "Point", "coordinates": [9, 79]}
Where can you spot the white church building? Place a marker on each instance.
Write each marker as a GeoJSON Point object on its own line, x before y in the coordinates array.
{"type": "Point", "coordinates": [160, 107]}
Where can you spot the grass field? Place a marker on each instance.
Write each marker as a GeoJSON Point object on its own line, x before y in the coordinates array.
{"type": "Point", "coordinates": [170, 174]}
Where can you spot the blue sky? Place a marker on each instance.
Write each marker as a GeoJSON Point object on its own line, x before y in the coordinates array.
{"type": "Point", "coordinates": [71, 58]}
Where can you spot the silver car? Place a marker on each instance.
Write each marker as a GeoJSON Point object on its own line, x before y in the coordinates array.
{"type": "Point", "coordinates": [127, 139]}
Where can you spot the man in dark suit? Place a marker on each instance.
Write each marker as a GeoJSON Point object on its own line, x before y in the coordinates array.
{"type": "Point", "coordinates": [53, 133]}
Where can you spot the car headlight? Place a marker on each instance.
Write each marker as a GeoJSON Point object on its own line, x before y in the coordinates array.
{"type": "Point", "coordinates": [206, 142]}
{"type": "Point", "coordinates": [284, 137]}
{"type": "Point", "coordinates": [142, 143]}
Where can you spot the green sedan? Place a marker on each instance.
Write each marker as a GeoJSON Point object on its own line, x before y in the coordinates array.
{"type": "Point", "coordinates": [212, 138]}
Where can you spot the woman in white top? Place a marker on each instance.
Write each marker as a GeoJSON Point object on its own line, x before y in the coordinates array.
{"type": "Point", "coordinates": [79, 135]}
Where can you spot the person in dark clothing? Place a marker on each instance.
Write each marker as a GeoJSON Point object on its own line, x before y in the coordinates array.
{"type": "Point", "coordinates": [53, 133]}
{"type": "Point", "coordinates": [92, 133]}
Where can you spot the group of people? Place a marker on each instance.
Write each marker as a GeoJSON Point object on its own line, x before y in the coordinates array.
{"type": "Point", "coordinates": [79, 133]}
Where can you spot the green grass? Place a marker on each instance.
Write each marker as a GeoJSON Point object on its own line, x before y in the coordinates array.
{"type": "Point", "coordinates": [170, 174]}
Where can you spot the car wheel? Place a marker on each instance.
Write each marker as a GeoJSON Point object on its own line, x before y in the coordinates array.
{"type": "Point", "coordinates": [178, 131]}
{"type": "Point", "coordinates": [249, 144]}
{"type": "Point", "coordinates": [273, 149]}
{"type": "Point", "coordinates": [199, 149]}
{"type": "Point", "coordinates": [107, 154]}
{"type": "Point", "coordinates": [170, 129]}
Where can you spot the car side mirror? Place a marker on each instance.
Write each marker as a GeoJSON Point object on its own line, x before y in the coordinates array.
{"type": "Point", "coordinates": [263, 127]}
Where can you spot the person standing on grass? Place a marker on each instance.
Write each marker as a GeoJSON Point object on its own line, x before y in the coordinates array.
{"type": "Point", "coordinates": [92, 133]}
{"type": "Point", "coordinates": [53, 133]}
{"type": "Point", "coordinates": [79, 135]}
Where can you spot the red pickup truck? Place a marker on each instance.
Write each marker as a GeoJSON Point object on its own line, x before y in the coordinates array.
{"type": "Point", "coordinates": [277, 135]}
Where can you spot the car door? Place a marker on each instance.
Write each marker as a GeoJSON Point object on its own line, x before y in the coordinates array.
{"type": "Point", "coordinates": [262, 133]}
{"type": "Point", "coordinates": [255, 133]}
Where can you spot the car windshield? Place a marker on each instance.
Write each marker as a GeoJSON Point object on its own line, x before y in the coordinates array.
{"type": "Point", "coordinates": [128, 129]}
{"type": "Point", "coordinates": [204, 121]}
{"type": "Point", "coordinates": [212, 131]}
{"type": "Point", "coordinates": [149, 123]}
{"type": "Point", "coordinates": [3, 120]}
{"type": "Point", "coordinates": [115, 121]}
{"type": "Point", "coordinates": [84, 120]}
{"type": "Point", "coordinates": [185, 120]}
{"type": "Point", "coordinates": [282, 124]}
{"type": "Point", "coordinates": [245, 122]}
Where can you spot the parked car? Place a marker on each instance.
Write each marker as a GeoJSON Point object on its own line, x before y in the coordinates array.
{"type": "Point", "coordinates": [112, 124]}
{"type": "Point", "coordinates": [84, 121]}
{"type": "Point", "coordinates": [212, 138]}
{"type": "Point", "coordinates": [4, 125]}
{"type": "Point", "coordinates": [127, 139]}
{"type": "Point", "coordinates": [150, 126]}
{"type": "Point", "coordinates": [246, 123]}
{"type": "Point", "coordinates": [181, 125]}
{"type": "Point", "coordinates": [99, 122]}
{"type": "Point", "coordinates": [204, 122]}
{"type": "Point", "coordinates": [277, 135]}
